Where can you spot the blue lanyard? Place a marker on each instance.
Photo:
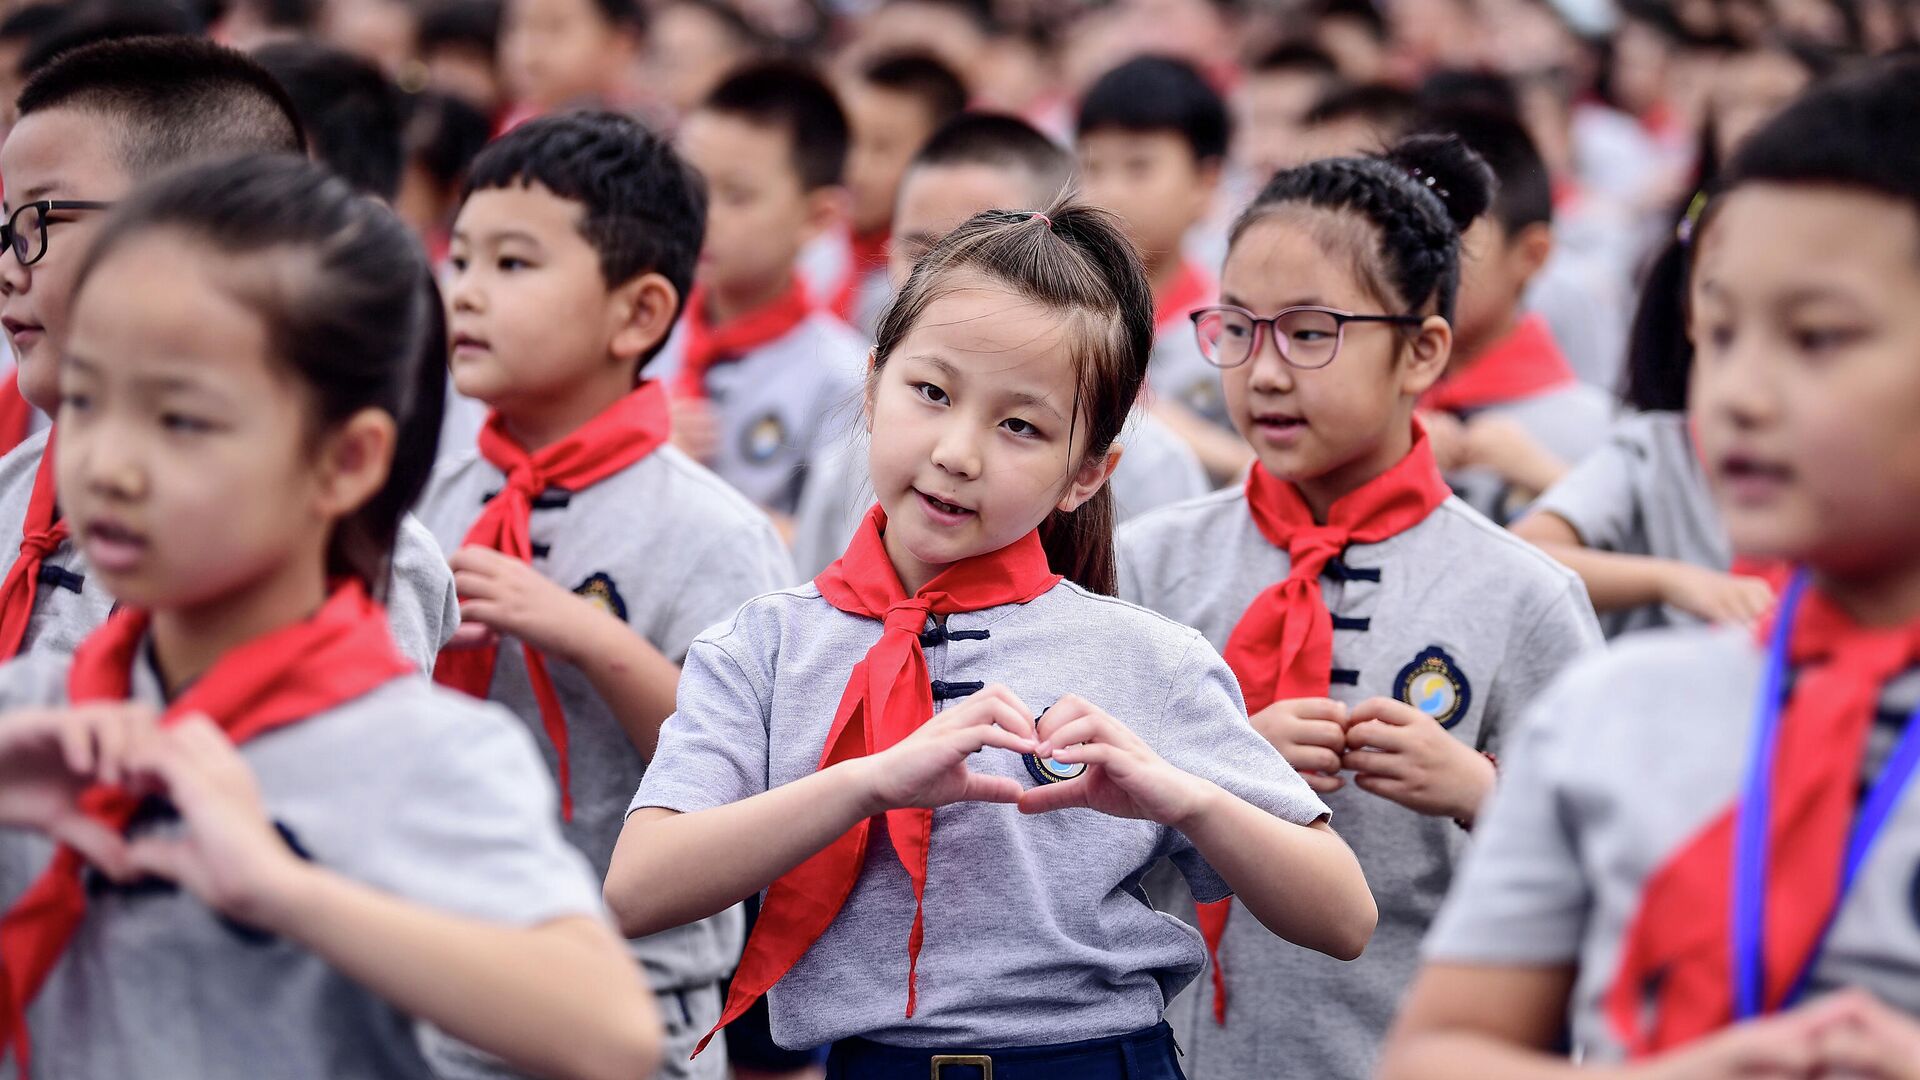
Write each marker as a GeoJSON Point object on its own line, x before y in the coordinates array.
{"type": "Point", "coordinates": [1751, 839]}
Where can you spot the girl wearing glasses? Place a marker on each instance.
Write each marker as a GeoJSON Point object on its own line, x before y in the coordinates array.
{"type": "Point", "coordinates": [1384, 634]}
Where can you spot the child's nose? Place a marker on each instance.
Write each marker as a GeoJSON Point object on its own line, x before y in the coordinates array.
{"type": "Point", "coordinates": [957, 451]}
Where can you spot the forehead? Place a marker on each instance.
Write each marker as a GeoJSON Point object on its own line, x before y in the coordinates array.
{"type": "Point", "coordinates": [532, 209]}
{"type": "Point", "coordinates": [1772, 238]}
{"type": "Point", "coordinates": [989, 333]}
{"type": "Point", "coordinates": [1158, 143]}
{"type": "Point", "coordinates": [720, 142]}
{"type": "Point", "coordinates": [63, 153]}
{"type": "Point", "coordinates": [163, 298]}
{"type": "Point", "coordinates": [936, 198]}
{"type": "Point", "coordinates": [1299, 255]}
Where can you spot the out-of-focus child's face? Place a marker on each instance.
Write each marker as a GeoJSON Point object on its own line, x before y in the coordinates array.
{"type": "Point", "coordinates": [888, 129]}
{"type": "Point", "coordinates": [1332, 425]}
{"type": "Point", "coordinates": [936, 199]}
{"type": "Point", "coordinates": [466, 73]}
{"type": "Point", "coordinates": [174, 414]}
{"type": "Point", "coordinates": [1273, 106]}
{"type": "Point", "coordinates": [528, 312]}
{"type": "Point", "coordinates": [54, 154]}
{"type": "Point", "coordinates": [1806, 390]}
{"type": "Point", "coordinates": [758, 214]}
{"type": "Point", "coordinates": [379, 31]}
{"type": "Point", "coordinates": [689, 52]}
{"type": "Point", "coordinates": [1747, 90]}
{"type": "Point", "coordinates": [975, 433]}
{"type": "Point", "coordinates": [1151, 180]}
{"type": "Point", "coordinates": [1495, 269]}
{"type": "Point", "coordinates": [561, 52]}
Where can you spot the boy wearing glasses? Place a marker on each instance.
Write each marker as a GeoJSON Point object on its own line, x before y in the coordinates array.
{"type": "Point", "coordinates": [93, 125]}
{"type": "Point", "coordinates": [1386, 637]}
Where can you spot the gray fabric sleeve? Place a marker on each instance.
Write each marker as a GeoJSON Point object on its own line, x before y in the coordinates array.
{"type": "Point", "coordinates": [1599, 497]}
{"type": "Point", "coordinates": [713, 749]}
{"type": "Point", "coordinates": [34, 680]}
{"type": "Point", "coordinates": [1564, 630]}
{"type": "Point", "coordinates": [476, 831]}
{"type": "Point", "coordinates": [422, 607]}
{"type": "Point", "coordinates": [748, 561]}
{"type": "Point", "coordinates": [1127, 566]}
{"type": "Point", "coordinates": [1522, 896]}
{"type": "Point", "coordinates": [1204, 731]}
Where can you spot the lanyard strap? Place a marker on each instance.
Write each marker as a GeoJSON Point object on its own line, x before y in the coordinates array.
{"type": "Point", "coordinates": [1752, 839]}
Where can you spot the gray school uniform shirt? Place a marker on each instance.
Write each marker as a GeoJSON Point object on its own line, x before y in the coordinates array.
{"type": "Point", "coordinates": [1037, 929]}
{"type": "Point", "coordinates": [421, 793]}
{"type": "Point", "coordinates": [1454, 616]}
{"type": "Point", "coordinates": [669, 549]}
{"type": "Point", "coordinates": [1157, 469]}
{"type": "Point", "coordinates": [1643, 493]}
{"type": "Point", "coordinates": [422, 610]}
{"type": "Point", "coordinates": [1570, 423]}
{"type": "Point", "coordinates": [1626, 758]}
{"type": "Point", "coordinates": [781, 406]}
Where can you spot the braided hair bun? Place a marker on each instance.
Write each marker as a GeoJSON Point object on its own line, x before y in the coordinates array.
{"type": "Point", "coordinates": [1455, 174]}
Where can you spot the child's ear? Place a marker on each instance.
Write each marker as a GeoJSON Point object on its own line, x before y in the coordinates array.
{"type": "Point", "coordinates": [1531, 249]}
{"type": "Point", "coordinates": [354, 461]}
{"type": "Point", "coordinates": [642, 312]}
{"type": "Point", "coordinates": [1427, 354]}
{"type": "Point", "coordinates": [1086, 482]}
{"type": "Point", "coordinates": [827, 208]}
{"type": "Point", "coordinates": [1206, 186]}
{"type": "Point", "coordinates": [868, 388]}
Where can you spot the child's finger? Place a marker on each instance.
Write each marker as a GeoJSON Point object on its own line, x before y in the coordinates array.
{"type": "Point", "coordinates": [1081, 730]}
{"type": "Point", "coordinates": [1378, 734]}
{"type": "Point", "coordinates": [103, 847]}
{"type": "Point", "coordinates": [1051, 797]}
{"type": "Point", "coordinates": [475, 585]}
{"type": "Point", "coordinates": [1061, 713]}
{"type": "Point", "coordinates": [1312, 708]}
{"type": "Point", "coordinates": [1003, 692]}
{"type": "Point", "coordinates": [983, 788]}
{"type": "Point", "coordinates": [158, 856]}
{"type": "Point", "coordinates": [472, 634]}
{"type": "Point", "coordinates": [969, 739]}
{"type": "Point", "coordinates": [1375, 763]}
{"type": "Point", "coordinates": [1384, 709]}
{"type": "Point", "coordinates": [1313, 759]}
{"type": "Point", "coordinates": [1322, 783]}
{"type": "Point", "coordinates": [1327, 733]}
{"type": "Point", "coordinates": [480, 560]}
{"type": "Point", "coordinates": [76, 745]}
{"type": "Point", "coordinates": [1089, 753]}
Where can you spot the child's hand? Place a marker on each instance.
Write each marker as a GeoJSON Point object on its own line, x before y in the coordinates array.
{"type": "Point", "coordinates": [1780, 1047]}
{"type": "Point", "coordinates": [1714, 596]}
{"type": "Point", "coordinates": [49, 757]}
{"type": "Point", "coordinates": [1124, 777]}
{"type": "Point", "coordinates": [1311, 733]}
{"type": "Point", "coordinates": [696, 431]}
{"type": "Point", "coordinates": [228, 854]}
{"type": "Point", "coordinates": [1866, 1040]}
{"type": "Point", "coordinates": [1448, 437]}
{"type": "Point", "coordinates": [928, 768]}
{"type": "Point", "coordinates": [1414, 761]}
{"type": "Point", "coordinates": [499, 594]}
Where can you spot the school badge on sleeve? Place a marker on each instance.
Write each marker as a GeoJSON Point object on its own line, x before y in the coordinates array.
{"type": "Point", "coordinates": [601, 592]}
{"type": "Point", "coordinates": [1435, 685]}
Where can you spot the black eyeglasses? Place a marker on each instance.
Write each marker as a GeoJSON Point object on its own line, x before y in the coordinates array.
{"type": "Point", "coordinates": [1307, 337]}
{"type": "Point", "coordinates": [27, 238]}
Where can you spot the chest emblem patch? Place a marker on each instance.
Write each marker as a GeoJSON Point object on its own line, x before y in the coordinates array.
{"type": "Point", "coordinates": [1434, 684]}
{"type": "Point", "coordinates": [601, 592]}
{"type": "Point", "coordinates": [763, 439]}
{"type": "Point", "coordinates": [1048, 771]}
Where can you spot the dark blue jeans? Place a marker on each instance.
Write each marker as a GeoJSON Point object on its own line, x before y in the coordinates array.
{"type": "Point", "coordinates": [1143, 1055]}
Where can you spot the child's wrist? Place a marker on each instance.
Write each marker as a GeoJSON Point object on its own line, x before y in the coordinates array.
{"type": "Point", "coordinates": [1204, 802]}
{"type": "Point", "coordinates": [1485, 772]}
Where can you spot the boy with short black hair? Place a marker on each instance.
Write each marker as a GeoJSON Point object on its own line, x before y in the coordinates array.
{"type": "Point", "coordinates": [93, 125]}
{"type": "Point", "coordinates": [1152, 141]}
{"type": "Point", "coordinates": [1524, 417]}
{"type": "Point", "coordinates": [763, 380]}
{"type": "Point", "coordinates": [459, 42]}
{"type": "Point", "coordinates": [352, 112]}
{"type": "Point", "coordinates": [893, 104]}
{"type": "Point", "coordinates": [588, 551]}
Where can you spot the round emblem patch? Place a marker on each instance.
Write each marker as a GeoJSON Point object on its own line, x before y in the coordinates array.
{"type": "Point", "coordinates": [1435, 685]}
{"type": "Point", "coordinates": [1049, 771]}
{"type": "Point", "coordinates": [600, 591]}
{"type": "Point", "coordinates": [763, 438]}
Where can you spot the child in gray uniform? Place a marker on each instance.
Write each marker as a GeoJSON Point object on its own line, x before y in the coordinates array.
{"type": "Point", "coordinates": [952, 853]}
{"type": "Point", "coordinates": [1385, 634]}
{"type": "Point", "coordinates": [589, 551]}
{"type": "Point", "coordinates": [93, 125]}
{"type": "Point", "coordinates": [282, 851]}
{"type": "Point", "coordinates": [1702, 860]}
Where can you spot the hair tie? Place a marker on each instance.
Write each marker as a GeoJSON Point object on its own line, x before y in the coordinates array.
{"type": "Point", "coordinates": [1690, 221]}
{"type": "Point", "coordinates": [1432, 182]}
{"type": "Point", "coordinates": [1042, 219]}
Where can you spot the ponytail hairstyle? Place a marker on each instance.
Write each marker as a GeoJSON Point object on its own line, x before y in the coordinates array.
{"type": "Point", "coordinates": [1075, 261]}
{"type": "Point", "coordinates": [1416, 199]}
{"type": "Point", "coordinates": [349, 305]}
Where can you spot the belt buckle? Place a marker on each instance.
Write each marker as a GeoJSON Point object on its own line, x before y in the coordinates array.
{"type": "Point", "coordinates": [979, 1061]}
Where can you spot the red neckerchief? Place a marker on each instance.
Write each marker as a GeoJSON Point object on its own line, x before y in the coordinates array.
{"type": "Point", "coordinates": [1192, 287]}
{"type": "Point", "coordinates": [1524, 364]}
{"type": "Point", "coordinates": [626, 432]}
{"type": "Point", "coordinates": [41, 533]}
{"type": "Point", "coordinates": [887, 698]}
{"type": "Point", "coordinates": [1675, 980]}
{"type": "Point", "coordinates": [866, 254]}
{"type": "Point", "coordinates": [343, 652]}
{"type": "Point", "coordinates": [1282, 647]}
{"type": "Point", "coordinates": [705, 345]}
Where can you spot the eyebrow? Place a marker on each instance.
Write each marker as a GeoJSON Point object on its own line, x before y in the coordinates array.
{"type": "Point", "coordinates": [498, 236]}
{"type": "Point", "coordinates": [155, 383]}
{"type": "Point", "coordinates": [1307, 301]}
{"type": "Point", "coordinates": [1017, 397]}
